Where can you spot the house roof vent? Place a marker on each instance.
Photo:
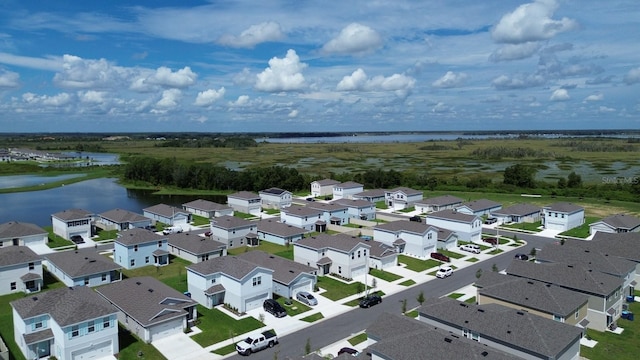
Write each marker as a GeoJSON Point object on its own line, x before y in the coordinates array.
{"type": "Point", "coordinates": [447, 340]}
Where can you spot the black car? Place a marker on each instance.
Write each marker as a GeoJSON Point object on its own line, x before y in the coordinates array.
{"type": "Point", "coordinates": [415, 218]}
{"type": "Point", "coordinates": [77, 239]}
{"type": "Point", "coordinates": [348, 350]}
{"type": "Point", "coordinates": [274, 308]}
{"type": "Point", "coordinates": [522, 257]}
{"type": "Point", "coordinates": [370, 300]}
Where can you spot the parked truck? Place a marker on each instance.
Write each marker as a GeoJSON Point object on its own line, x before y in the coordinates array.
{"type": "Point", "coordinates": [172, 230]}
{"type": "Point", "coordinates": [257, 342]}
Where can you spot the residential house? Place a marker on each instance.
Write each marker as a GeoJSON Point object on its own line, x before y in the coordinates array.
{"type": "Point", "coordinates": [148, 308]}
{"type": "Point", "coordinates": [562, 216]}
{"type": "Point", "coordinates": [346, 190]}
{"type": "Point", "coordinates": [518, 213]}
{"type": "Point", "coordinates": [20, 270]}
{"type": "Point", "coordinates": [438, 203]}
{"type": "Point", "coordinates": [479, 207]}
{"type": "Point", "coordinates": [535, 297]}
{"type": "Point", "coordinates": [622, 245]}
{"type": "Point", "coordinates": [275, 198]}
{"type": "Point", "coordinates": [408, 237]}
{"type": "Point", "coordinates": [245, 202]}
{"type": "Point", "coordinates": [119, 219]}
{"type": "Point", "coordinates": [288, 277]}
{"type": "Point", "coordinates": [234, 231]}
{"type": "Point", "coordinates": [72, 222]}
{"type": "Point", "coordinates": [399, 337]}
{"type": "Point", "coordinates": [240, 284]}
{"type": "Point", "coordinates": [140, 247]}
{"type": "Point", "coordinates": [382, 256]}
{"type": "Point", "coordinates": [402, 198]}
{"type": "Point", "coordinates": [343, 255]}
{"type": "Point", "coordinates": [167, 214]}
{"type": "Point", "coordinates": [206, 208]}
{"type": "Point", "coordinates": [16, 233]}
{"type": "Point", "coordinates": [195, 247]}
{"type": "Point", "coordinates": [82, 268]}
{"type": "Point", "coordinates": [358, 209]}
{"type": "Point", "coordinates": [332, 213]}
{"type": "Point", "coordinates": [323, 187]}
{"type": "Point", "coordinates": [468, 227]}
{"type": "Point", "coordinates": [604, 291]}
{"type": "Point", "coordinates": [373, 195]}
{"type": "Point", "coordinates": [618, 223]}
{"type": "Point", "coordinates": [500, 327]}
{"type": "Point", "coordinates": [68, 323]}
{"type": "Point", "coordinates": [447, 239]}
{"type": "Point", "coordinates": [304, 217]}
{"type": "Point", "coordinates": [279, 233]}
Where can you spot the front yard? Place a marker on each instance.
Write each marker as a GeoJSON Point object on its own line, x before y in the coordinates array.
{"type": "Point", "coordinates": [174, 274]}
{"type": "Point", "coordinates": [581, 231]}
{"type": "Point", "coordinates": [625, 346]}
{"type": "Point", "coordinates": [217, 326]}
{"type": "Point", "coordinates": [336, 289]}
{"type": "Point", "coordinates": [418, 265]}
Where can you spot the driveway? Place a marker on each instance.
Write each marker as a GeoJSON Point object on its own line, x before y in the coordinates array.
{"type": "Point", "coordinates": [181, 347]}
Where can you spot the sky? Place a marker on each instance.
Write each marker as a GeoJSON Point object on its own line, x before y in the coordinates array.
{"type": "Point", "coordinates": [114, 66]}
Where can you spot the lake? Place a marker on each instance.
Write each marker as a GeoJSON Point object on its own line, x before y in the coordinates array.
{"type": "Point", "coordinates": [97, 196]}
{"type": "Point", "coordinates": [16, 181]}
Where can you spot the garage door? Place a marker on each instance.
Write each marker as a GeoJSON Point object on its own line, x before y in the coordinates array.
{"type": "Point", "coordinates": [303, 286]}
{"type": "Point", "coordinates": [554, 226]}
{"type": "Point", "coordinates": [358, 271]}
{"type": "Point", "coordinates": [96, 351]}
{"type": "Point", "coordinates": [255, 302]}
{"type": "Point", "coordinates": [165, 329]}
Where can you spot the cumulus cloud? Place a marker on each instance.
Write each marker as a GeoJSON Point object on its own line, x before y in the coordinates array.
{"type": "Point", "coordinates": [515, 51]}
{"type": "Point", "coordinates": [354, 39]}
{"type": "Point", "coordinates": [243, 100]}
{"type": "Point", "coordinates": [92, 96]}
{"type": "Point", "coordinates": [594, 97]}
{"type": "Point", "coordinates": [604, 109]}
{"type": "Point", "coordinates": [356, 81]}
{"type": "Point", "coordinates": [560, 95]}
{"type": "Point", "coordinates": [208, 97]}
{"type": "Point", "coordinates": [255, 34]}
{"type": "Point", "coordinates": [282, 74]}
{"type": "Point", "coordinates": [440, 108]}
{"type": "Point", "coordinates": [79, 73]}
{"type": "Point", "coordinates": [164, 77]}
{"type": "Point", "coordinates": [58, 100]}
{"type": "Point", "coordinates": [293, 113]}
{"type": "Point", "coordinates": [9, 79]}
{"type": "Point", "coordinates": [632, 77]}
{"type": "Point", "coordinates": [519, 81]}
{"type": "Point", "coordinates": [359, 81]}
{"type": "Point", "coordinates": [531, 22]}
{"type": "Point", "coordinates": [170, 99]}
{"type": "Point", "coordinates": [450, 80]}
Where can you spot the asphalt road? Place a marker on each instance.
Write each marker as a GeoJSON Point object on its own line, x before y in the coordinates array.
{"type": "Point", "coordinates": [331, 330]}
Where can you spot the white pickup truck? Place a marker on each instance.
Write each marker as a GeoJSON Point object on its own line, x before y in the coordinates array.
{"type": "Point", "coordinates": [257, 342]}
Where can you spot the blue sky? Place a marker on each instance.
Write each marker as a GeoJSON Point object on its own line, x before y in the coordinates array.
{"type": "Point", "coordinates": [306, 66]}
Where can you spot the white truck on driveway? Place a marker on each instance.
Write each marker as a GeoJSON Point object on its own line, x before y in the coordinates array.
{"type": "Point", "coordinates": [257, 342]}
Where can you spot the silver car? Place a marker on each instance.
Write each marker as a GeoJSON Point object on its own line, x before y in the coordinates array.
{"type": "Point", "coordinates": [306, 298]}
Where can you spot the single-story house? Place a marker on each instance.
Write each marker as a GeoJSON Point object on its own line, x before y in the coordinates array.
{"type": "Point", "coordinates": [275, 198]}
{"type": "Point", "coordinates": [83, 267]}
{"type": "Point", "coordinates": [68, 323]}
{"type": "Point", "coordinates": [447, 239]}
{"type": "Point", "coordinates": [136, 248]}
{"type": "Point", "coordinates": [119, 219]}
{"type": "Point", "coordinates": [358, 209]}
{"type": "Point", "coordinates": [382, 256]}
{"type": "Point", "coordinates": [304, 217]}
{"type": "Point", "coordinates": [562, 216]}
{"type": "Point", "coordinates": [373, 195]}
{"type": "Point", "coordinates": [346, 190]}
{"type": "Point", "coordinates": [16, 233]}
{"type": "Point", "coordinates": [234, 231]}
{"type": "Point", "coordinates": [402, 197]}
{"type": "Point", "coordinates": [518, 213]}
{"type": "Point", "coordinates": [72, 222]}
{"type": "Point", "coordinates": [332, 213]}
{"type": "Point", "coordinates": [500, 327]}
{"type": "Point", "coordinates": [343, 255]}
{"type": "Point", "coordinates": [468, 227]}
{"type": "Point", "coordinates": [149, 308]}
{"type": "Point", "coordinates": [479, 207]}
{"type": "Point", "coordinates": [20, 270]}
{"type": "Point", "coordinates": [289, 277]}
{"type": "Point", "coordinates": [245, 202]}
{"type": "Point", "coordinates": [279, 233]}
{"type": "Point", "coordinates": [167, 214]}
{"type": "Point", "coordinates": [206, 208]}
{"type": "Point", "coordinates": [195, 247]}
{"type": "Point", "coordinates": [323, 187]}
{"type": "Point", "coordinates": [618, 223]}
{"type": "Point", "coordinates": [438, 203]}
{"type": "Point", "coordinates": [408, 237]}
{"type": "Point", "coordinates": [240, 284]}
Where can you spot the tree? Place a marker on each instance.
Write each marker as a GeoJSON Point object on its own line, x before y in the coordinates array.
{"type": "Point", "coordinates": [494, 268]}
{"type": "Point", "coordinates": [420, 299]}
{"type": "Point", "coordinates": [520, 176]}
{"type": "Point", "coordinates": [307, 347]}
{"type": "Point", "coordinates": [562, 183]}
{"type": "Point", "coordinates": [574, 180]}
{"type": "Point", "coordinates": [478, 273]}
{"type": "Point", "coordinates": [404, 305]}
{"type": "Point", "coordinates": [532, 252]}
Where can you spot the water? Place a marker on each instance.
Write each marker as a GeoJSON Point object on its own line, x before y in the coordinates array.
{"type": "Point", "coordinates": [92, 159]}
{"type": "Point", "coordinates": [97, 196]}
{"type": "Point", "coordinates": [16, 181]}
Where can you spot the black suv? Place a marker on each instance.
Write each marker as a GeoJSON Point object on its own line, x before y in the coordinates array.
{"type": "Point", "coordinates": [415, 218]}
{"type": "Point", "coordinates": [77, 239]}
{"type": "Point", "coordinates": [370, 300]}
{"type": "Point", "coordinates": [273, 307]}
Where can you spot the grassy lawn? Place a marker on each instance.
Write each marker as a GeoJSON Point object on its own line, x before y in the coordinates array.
{"type": "Point", "coordinates": [471, 300]}
{"type": "Point", "coordinates": [452, 254]}
{"type": "Point", "coordinates": [217, 326]}
{"type": "Point", "coordinates": [106, 234]}
{"type": "Point", "coordinates": [525, 226]}
{"type": "Point", "coordinates": [417, 264]}
{"type": "Point", "coordinates": [268, 247]}
{"type": "Point", "coordinates": [313, 317]}
{"type": "Point", "coordinates": [271, 211]}
{"type": "Point", "coordinates": [613, 346]}
{"type": "Point", "coordinates": [455, 295]}
{"type": "Point", "coordinates": [131, 347]}
{"type": "Point", "coordinates": [56, 241]}
{"type": "Point", "coordinates": [409, 209]}
{"type": "Point", "coordinates": [384, 275]}
{"type": "Point", "coordinates": [581, 231]}
{"type": "Point", "coordinates": [360, 338]}
{"type": "Point", "coordinates": [199, 220]}
{"type": "Point", "coordinates": [174, 274]}
{"type": "Point", "coordinates": [225, 350]}
{"type": "Point", "coordinates": [336, 289]}
{"type": "Point", "coordinates": [295, 308]}
{"type": "Point", "coordinates": [6, 321]}
{"type": "Point", "coordinates": [472, 260]}
{"type": "Point", "coordinates": [495, 252]}
{"type": "Point", "coordinates": [408, 283]}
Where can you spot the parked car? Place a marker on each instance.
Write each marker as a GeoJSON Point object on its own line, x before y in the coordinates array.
{"type": "Point", "coordinates": [77, 239]}
{"type": "Point", "coordinates": [257, 342]}
{"type": "Point", "coordinates": [311, 199]}
{"type": "Point", "coordinates": [444, 272]}
{"type": "Point", "coordinates": [172, 230]}
{"type": "Point", "coordinates": [491, 240]}
{"type": "Point", "coordinates": [151, 228]}
{"type": "Point", "coordinates": [522, 257]}
{"type": "Point", "coordinates": [208, 233]}
{"type": "Point", "coordinates": [490, 221]}
{"type": "Point", "coordinates": [274, 308]}
{"type": "Point", "coordinates": [306, 298]}
{"type": "Point", "coordinates": [415, 218]}
{"type": "Point", "coordinates": [471, 248]}
{"type": "Point", "coordinates": [439, 256]}
{"type": "Point", "coordinates": [370, 300]}
{"type": "Point", "coordinates": [348, 350]}
{"type": "Point", "coordinates": [363, 217]}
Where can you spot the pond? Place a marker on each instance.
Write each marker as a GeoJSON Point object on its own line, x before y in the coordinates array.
{"type": "Point", "coordinates": [16, 181]}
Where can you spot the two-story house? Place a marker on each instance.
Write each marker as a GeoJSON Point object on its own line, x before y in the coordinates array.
{"type": "Point", "coordinates": [83, 267]}
{"type": "Point", "coordinates": [402, 197]}
{"type": "Point", "coordinates": [372, 195]}
{"type": "Point", "coordinates": [234, 231]}
{"type": "Point", "coordinates": [15, 233]}
{"type": "Point", "coordinates": [468, 227]}
{"type": "Point", "coordinates": [245, 202]}
{"type": "Point", "coordinates": [195, 247]}
{"type": "Point", "coordinates": [136, 248]}
{"type": "Point", "coordinates": [346, 190]}
{"type": "Point", "coordinates": [617, 223]}
{"type": "Point", "coordinates": [479, 207]}
{"type": "Point", "coordinates": [408, 237]}
{"type": "Point", "coordinates": [68, 323]}
{"type": "Point", "coordinates": [20, 270]}
{"type": "Point", "coordinates": [275, 198]}
{"type": "Point", "coordinates": [72, 222]}
{"type": "Point", "coordinates": [323, 187]}
{"type": "Point", "coordinates": [332, 213]}
{"type": "Point", "coordinates": [438, 203]}
{"type": "Point", "coordinates": [119, 219]}
{"type": "Point", "coordinates": [358, 209]}
{"type": "Point", "coordinates": [343, 255]}
{"type": "Point", "coordinates": [167, 214]}
{"type": "Point", "coordinates": [206, 208]}
{"type": "Point", "coordinates": [518, 213]}
{"type": "Point", "coordinates": [277, 232]}
{"type": "Point", "coordinates": [304, 217]}
{"type": "Point", "coordinates": [562, 216]}
{"type": "Point", "coordinates": [621, 245]}
{"type": "Point", "coordinates": [240, 284]}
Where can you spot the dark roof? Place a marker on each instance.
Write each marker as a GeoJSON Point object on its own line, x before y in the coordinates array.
{"type": "Point", "coordinates": [245, 195]}
{"type": "Point", "coordinates": [273, 227]}
{"type": "Point", "coordinates": [274, 191]}
{"type": "Point", "coordinates": [301, 211]}
{"type": "Point", "coordinates": [547, 298]}
{"type": "Point", "coordinates": [564, 207]}
{"type": "Point", "coordinates": [452, 215]}
{"type": "Point", "coordinates": [514, 328]}
{"type": "Point", "coordinates": [205, 205]}
{"type": "Point", "coordinates": [404, 225]}
{"type": "Point", "coordinates": [217, 288]}
{"type": "Point", "coordinates": [72, 214]}
{"type": "Point", "coordinates": [194, 243]}
{"type": "Point", "coordinates": [36, 337]}
{"type": "Point", "coordinates": [326, 182]}
{"type": "Point", "coordinates": [333, 206]}
{"type": "Point", "coordinates": [121, 216]}
{"type": "Point", "coordinates": [624, 245]}
{"type": "Point", "coordinates": [379, 250]}
{"type": "Point", "coordinates": [138, 236]}
{"type": "Point", "coordinates": [79, 263]}
{"type": "Point", "coordinates": [30, 276]}
{"type": "Point", "coordinates": [406, 190]}
{"type": "Point", "coordinates": [441, 200]}
{"type": "Point", "coordinates": [14, 229]}
{"type": "Point", "coordinates": [67, 305]}
{"type": "Point", "coordinates": [444, 234]}
{"type": "Point", "coordinates": [165, 210]}
{"type": "Point", "coordinates": [232, 266]}
{"type": "Point", "coordinates": [374, 193]}
{"type": "Point", "coordinates": [349, 185]}
{"type": "Point", "coordinates": [338, 242]}
{"type": "Point", "coordinates": [146, 299]}
{"type": "Point", "coordinates": [14, 255]}
{"type": "Point", "coordinates": [353, 203]}
{"type": "Point", "coordinates": [574, 254]}
{"type": "Point", "coordinates": [519, 210]}
{"type": "Point", "coordinates": [231, 222]}
{"type": "Point", "coordinates": [284, 270]}
{"type": "Point", "coordinates": [622, 221]}
{"type": "Point", "coordinates": [481, 204]}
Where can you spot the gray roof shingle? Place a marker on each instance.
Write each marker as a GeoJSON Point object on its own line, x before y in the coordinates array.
{"type": "Point", "coordinates": [138, 236]}
{"type": "Point", "coordinates": [443, 200]}
{"type": "Point", "coordinates": [194, 243]}
{"type": "Point", "coordinates": [585, 257]}
{"type": "Point", "coordinates": [273, 227]}
{"type": "Point", "coordinates": [165, 210]}
{"type": "Point", "coordinates": [452, 215]}
{"type": "Point", "coordinates": [338, 242]}
{"type": "Point", "coordinates": [79, 263]}
{"type": "Point", "coordinates": [564, 207]}
{"type": "Point", "coordinates": [403, 225]}
{"type": "Point", "coordinates": [121, 216]}
{"type": "Point", "coordinates": [232, 266]}
{"type": "Point", "coordinates": [481, 204]}
{"type": "Point", "coordinates": [72, 214]}
{"type": "Point", "coordinates": [205, 205]}
{"type": "Point", "coordinates": [622, 221]}
{"type": "Point", "coordinates": [14, 255]}
{"type": "Point", "coordinates": [519, 210]}
{"type": "Point", "coordinates": [284, 270]}
{"type": "Point", "coordinates": [229, 222]}
{"type": "Point", "coordinates": [244, 195]}
{"type": "Point", "coordinates": [14, 229]}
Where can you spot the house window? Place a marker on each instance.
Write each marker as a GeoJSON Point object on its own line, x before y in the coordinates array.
{"type": "Point", "coordinates": [205, 257]}
{"type": "Point", "coordinates": [104, 277]}
{"type": "Point", "coordinates": [353, 256]}
{"type": "Point", "coordinates": [364, 252]}
{"type": "Point", "coordinates": [577, 314]}
{"type": "Point", "coordinates": [32, 266]}
{"type": "Point", "coordinates": [562, 215]}
{"type": "Point", "coordinates": [38, 325]}
{"type": "Point", "coordinates": [213, 281]}
{"type": "Point", "coordinates": [91, 327]}
{"type": "Point", "coordinates": [106, 323]}
{"type": "Point", "coordinates": [339, 269]}
{"type": "Point", "coordinates": [358, 254]}
{"type": "Point", "coordinates": [146, 259]}
{"type": "Point", "coordinates": [133, 262]}
{"type": "Point", "coordinates": [429, 236]}
{"type": "Point", "coordinates": [86, 281]}
{"type": "Point", "coordinates": [557, 318]}
{"type": "Point", "coordinates": [13, 286]}
{"type": "Point", "coordinates": [257, 280]}
{"type": "Point", "coordinates": [74, 331]}
{"type": "Point", "coordinates": [159, 243]}
{"type": "Point", "coordinates": [135, 247]}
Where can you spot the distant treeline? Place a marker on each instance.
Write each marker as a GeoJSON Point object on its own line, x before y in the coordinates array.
{"type": "Point", "coordinates": [209, 142]}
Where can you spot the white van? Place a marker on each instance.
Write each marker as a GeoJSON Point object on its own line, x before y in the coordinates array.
{"type": "Point", "coordinates": [172, 230]}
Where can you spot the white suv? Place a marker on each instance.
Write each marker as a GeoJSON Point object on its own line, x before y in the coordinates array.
{"type": "Point", "coordinates": [444, 272]}
{"type": "Point", "coordinates": [471, 248]}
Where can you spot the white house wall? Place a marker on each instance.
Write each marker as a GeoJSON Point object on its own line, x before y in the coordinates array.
{"type": "Point", "coordinates": [10, 274]}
